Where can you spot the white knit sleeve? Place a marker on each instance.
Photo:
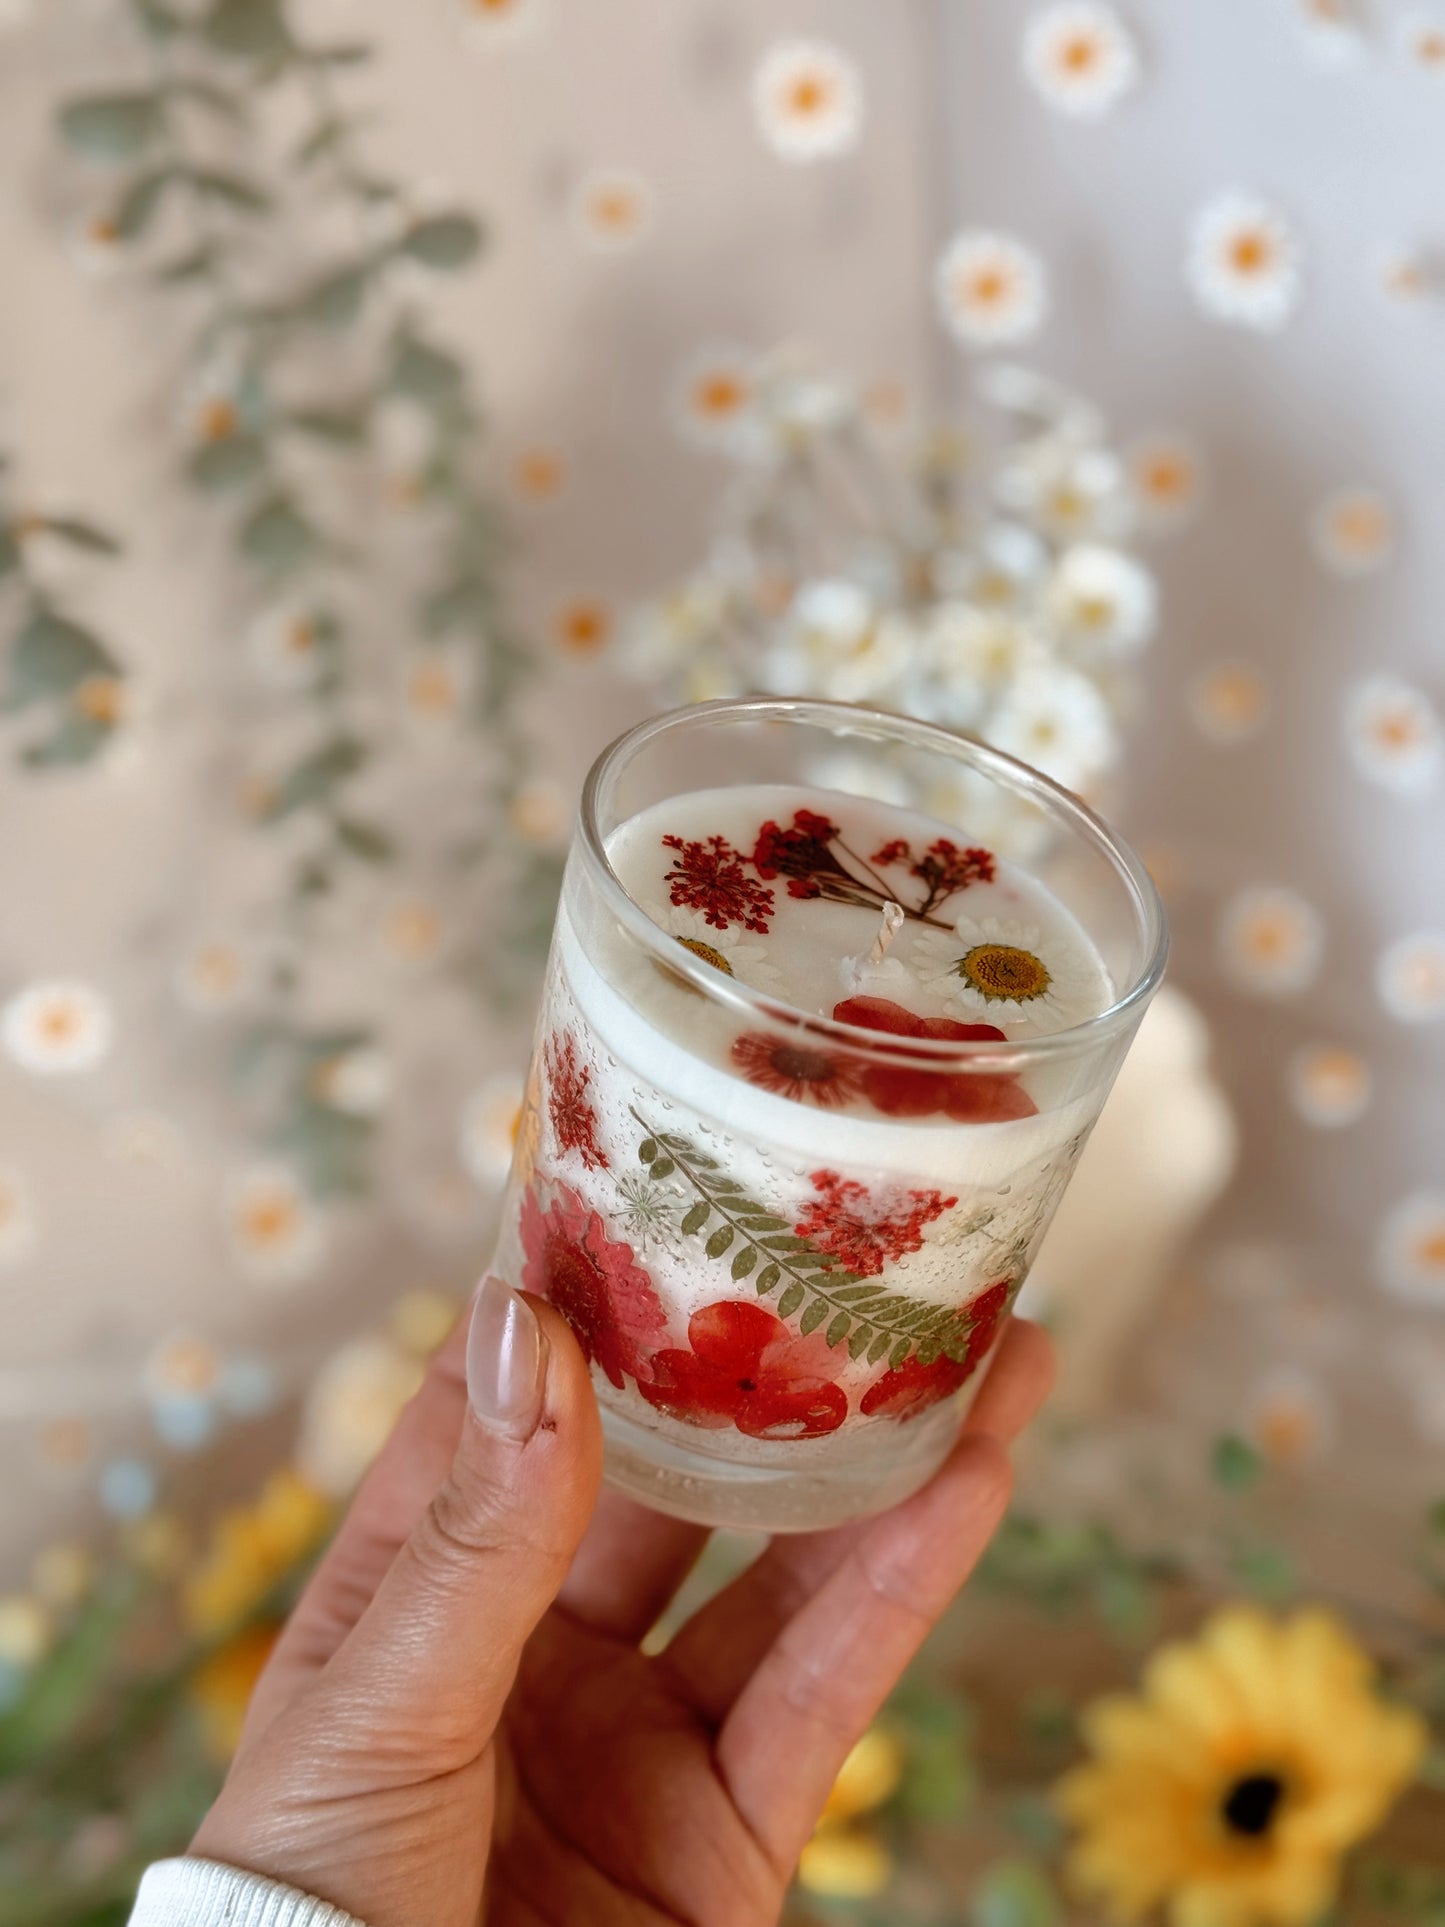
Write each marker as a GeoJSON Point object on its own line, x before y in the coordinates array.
{"type": "Point", "coordinates": [203, 1893]}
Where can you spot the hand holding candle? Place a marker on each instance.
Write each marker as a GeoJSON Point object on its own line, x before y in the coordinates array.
{"type": "Point", "coordinates": [812, 1073]}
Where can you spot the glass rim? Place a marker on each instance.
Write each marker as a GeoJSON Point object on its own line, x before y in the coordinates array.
{"type": "Point", "coordinates": [982, 1055]}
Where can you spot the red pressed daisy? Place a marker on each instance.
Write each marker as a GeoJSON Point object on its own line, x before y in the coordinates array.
{"type": "Point", "coordinates": [808, 1076]}
{"type": "Point", "coordinates": [710, 877]}
{"type": "Point", "coordinates": [747, 1369]}
{"type": "Point", "coordinates": [911, 1388]}
{"type": "Point", "coordinates": [969, 1097]}
{"type": "Point", "coordinates": [596, 1284]}
{"type": "Point", "coordinates": [573, 1118]}
{"type": "Point", "coordinates": [845, 1221]}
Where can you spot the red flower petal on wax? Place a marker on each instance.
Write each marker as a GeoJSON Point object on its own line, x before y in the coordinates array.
{"type": "Point", "coordinates": [911, 1388]}
{"type": "Point", "coordinates": [979, 1097]}
{"type": "Point", "coordinates": [861, 1233]}
{"type": "Point", "coordinates": [746, 1368]}
{"type": "Point", "coordinates": [596, 1283]}
{"type": "Point", "coordinates": [574, 1120]}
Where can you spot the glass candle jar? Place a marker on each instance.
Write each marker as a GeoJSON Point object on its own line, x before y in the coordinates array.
{"type": "Point", "coordinates": [812, 1070]}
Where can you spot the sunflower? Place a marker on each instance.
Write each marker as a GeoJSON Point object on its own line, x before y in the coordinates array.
{"type": "Point", "coordinates": [1230, 1789]}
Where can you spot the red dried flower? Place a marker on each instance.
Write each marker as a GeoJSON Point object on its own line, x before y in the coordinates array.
{"type": "Point", "coordinates": [825, 1078]}
{"type": "Point", "coordinates": [596, 1284]}
{"type": "Point", "coordinates": [747, 1369]}
{"type": "Point", "coordinates": [845, 1221]}
{"type": "Point", "coordinates": [800, 851]}
{"type": "Point", "coordinates": [895, 852]}
{"type": "Point", "coordinates": [573, 1118]}
{"type": "Point", "coordinates": [968, 1097]}
{"type": "Point", "coordinates": [945, 868]}
{"type": "Point", "coordinates": [710, 877]}
{"type": "Point", "coordinates": [912, 1388]}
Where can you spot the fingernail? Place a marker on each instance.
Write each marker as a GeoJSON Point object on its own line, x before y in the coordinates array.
{"type": "Point", "coordinates": [506, 1361]}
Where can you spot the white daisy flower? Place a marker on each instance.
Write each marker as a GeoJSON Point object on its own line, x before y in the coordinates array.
{"type": "Point", "coordinates": [1271, 941]}
{"type": "Point", "coordinates": [1002, 571]}
{"type": "Point", "coordinates": [539, 476]}
{"type": "Point", "coordinates": [1328, 1085]}
{"type": "Point", "coordinates": [216, 974]}
{"type": "Point", "coordinates": [734, 952]}
{"type": "Point", "coordinates": [1410, 978]}
{"type": "Point", "coordinates": [350, 1409]}
{"type": "Point", "coordinates": [1406, 275]}
{"type": "Point", "coordinates": [1353, 532]}
{"type": "Point", "coordinates": [1410, 1250]}
{"type": "Point", "coordinates": [976, 654]}
{"type": "Point", "coordinates": [808, 99]}
{"type": "Point", "coordinates": [17, 1221]}
{"type": "Point", "coordinates": [1291, 1419]}
{"type": "Point", "coordinates": [582, 625]}
{"type": "Point", "coordinates": [613, 209]}
{"type": "Point", "coordinates": [1420, 37]}
{"type": "Point", "coordinates": [664, 634]}
{"type": "Point", "coordinates": [1006, 973]}
{"type": "Point", "coordinates": [1230, 702]}
{"type": "Point", "coordinates": [1081, 58]}
{"type": "Point", "coordinates": [413, 932]}
{"type": "Point", "coordinates": [1071, 492]}
{"type": "Point", "coordinates": [1057, 720]}
{"type": "Point", "coordinates": [1245, 262]}
{"type": "Point", "coordinates": [1394, 735]}
{"type": "Point", "coordinates": [834, 643]}
{"type": "Point", "coordinates": [1102, 601]}
{"type": "Point", "coordinates": [990, 289]}
{"type": "Point", "coordinates": [274, 1230]}
{"type": "Point", "coordinates": [715, 399]}
{"type": "Point", "coordinates": [57, 1027]}
{"type": "Point", "coordinates": [487, 1135]}
{"type": "Point", "coordinates": [1332, 32]}
{"type": "Point", "coordinates": [1166, 476]}
{"type": "Point", "coordinates": [539, 813]}
{"type": "Point", "coordinates": [357, 1082]}
{"type": "Point", "coordinates": [498, 23]}
{"type": "Point", "coordinates": [437, 685]}
{"type": "Point", "coordinates": [288, 645]}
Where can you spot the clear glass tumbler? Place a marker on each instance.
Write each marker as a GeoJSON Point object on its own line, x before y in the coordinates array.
{"type": "Point", "coordinates": [786, 1302]}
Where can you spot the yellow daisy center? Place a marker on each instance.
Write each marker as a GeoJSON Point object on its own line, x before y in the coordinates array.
{"type": "Point", "coordinates": [989, 286]}
{"type": "Point", "coordinates": [1002, 972]}
{"type": "Point", "coordinates": [1431, 1250]}
{"type": "Point", "coordinates": [218, 420]}
{"type": "Point", "coordinates": [1250, 252]}
{"type": "Point", "coordinates": [718, 394]}
{"type": "Point", "coordinates": [270, 1221]}
{"type": "Point", "coordinates": [697, 948]}
{"type": "Point", "coordinates": [1078, 55]}
{"type": "Point", "coordinates": [809, 94]}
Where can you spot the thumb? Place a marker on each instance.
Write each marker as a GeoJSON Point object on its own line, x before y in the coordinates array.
{"type": "Point", "coordinates": [435, 1652]}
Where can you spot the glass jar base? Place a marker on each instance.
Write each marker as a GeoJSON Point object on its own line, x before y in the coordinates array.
{"type": "Point", "coordinates": [798, 1493]}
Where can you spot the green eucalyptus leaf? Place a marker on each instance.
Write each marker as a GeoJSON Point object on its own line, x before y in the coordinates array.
{"type": "Point", "coordinates": [112, 127]}
{"type": "Point", "coordinates": [335, 301]}
{"type": "Point", "coordinates": [77, 739]}
{"type": "Point", "coordinates": [720, 1241]}
{"type": "Point", "coordinates": [1015, 1893]}
{"type": "Point", "coordinates": [139, 202]}
{"type": "Point", "coordinates": [232, 462]}
{"type": "Point", "coordinates": [365, 841]}
{"type": "Point", "coordinates": [696, 1217]}
{"type": "Point", "coordinates": [1235, 1463]}
{"type": "Point", "coordinates": [316, 776]}
{"type": "Point", "coordinates": [813, 1316]}
{"type": "Point", "coordinates": [231, 190]}
{"type": "Point", "coordinates": [790, 1300]}
{"type": "Point", "coordinates": [425, 373]}
{"type": "Point", "coordinates": [767, 1279]}
{"type": "Point", "coordinates": [80, 534]}
{"type": "Point", "coordinates": [344, 426]}
{"type": "Point", "coordinates": [250, 29]}
{"type": "Point", "coordinates": [443, 241]}
{"type": "Point", "coordinates": [51, 656]}
{"type": "Point", "coordinates": [277, 536]}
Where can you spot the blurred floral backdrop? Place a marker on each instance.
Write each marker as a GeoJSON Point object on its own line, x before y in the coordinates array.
{"type": "Point", "coordinates": [397, 402]}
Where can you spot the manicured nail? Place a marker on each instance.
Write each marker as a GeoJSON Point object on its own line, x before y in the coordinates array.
{"type": "Point", "coordinates": [506, 1361]}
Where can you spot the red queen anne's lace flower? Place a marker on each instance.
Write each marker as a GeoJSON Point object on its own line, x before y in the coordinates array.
{"type": "Point", "coordinates": [710, 877]}
{"type": "Point", "coordinates": [745, 1368]}
{"type": "Point", "coordinates": [844, 1221]}
{"type": "Point", "coordinates": [596, 1283]}
{"type": "Point", "coordinates": [573, 1118]}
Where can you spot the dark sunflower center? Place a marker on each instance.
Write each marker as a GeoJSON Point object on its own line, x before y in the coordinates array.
{"type": "Point", "coordinates": [803, 1066]}
{"type": "Point", "coordinates": [1251, 1804]}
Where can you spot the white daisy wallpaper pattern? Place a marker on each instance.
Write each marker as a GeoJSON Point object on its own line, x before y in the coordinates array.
{"type": "Point", "coordinates": [1222, 223]}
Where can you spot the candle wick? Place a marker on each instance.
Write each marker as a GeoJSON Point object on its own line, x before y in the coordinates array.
{"type": "Point", "coordinates": [887, 930]}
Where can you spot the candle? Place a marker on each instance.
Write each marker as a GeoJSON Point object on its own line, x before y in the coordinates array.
{"type": "Point", "coordinates": [811, 1073]}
